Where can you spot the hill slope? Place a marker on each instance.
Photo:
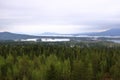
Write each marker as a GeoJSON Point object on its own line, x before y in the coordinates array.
{"type": "Point", "coordinates": [13, 36]}
{"type": "Point", "coordinates": [111, 32]}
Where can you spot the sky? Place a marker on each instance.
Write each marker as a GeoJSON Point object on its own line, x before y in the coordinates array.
{"type": "Point", "coordinates": [58, 16]}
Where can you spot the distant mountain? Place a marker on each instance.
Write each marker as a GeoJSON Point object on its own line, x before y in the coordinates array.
{"type": "Point", "coordinates": [111, 32]}
{"type": "Point", "coordinates": [49, 33]}
{"type": "Point", "coordinates": [13, 36]}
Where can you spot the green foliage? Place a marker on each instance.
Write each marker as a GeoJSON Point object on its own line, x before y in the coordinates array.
{"type": "Point", "coordinates": [59, 61]}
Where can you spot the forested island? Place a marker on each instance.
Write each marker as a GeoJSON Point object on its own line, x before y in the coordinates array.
{"type": "Point", "coordinates": [59, 61]}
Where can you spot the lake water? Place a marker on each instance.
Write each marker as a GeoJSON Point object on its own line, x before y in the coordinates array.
{"type": "Point", "coordinates": [54, 40]}
{"type": "Point", "coordinates": [116, 41]}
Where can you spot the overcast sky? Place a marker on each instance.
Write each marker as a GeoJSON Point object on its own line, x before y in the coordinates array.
{"type": "Point", "coordinates": [59, 16]}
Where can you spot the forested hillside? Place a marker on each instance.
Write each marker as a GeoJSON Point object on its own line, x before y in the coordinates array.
{"type": "Point", "coordinates": [59, 61]}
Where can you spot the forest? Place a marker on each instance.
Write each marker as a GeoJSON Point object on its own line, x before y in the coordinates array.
{"type": "Point", "coordinates": [59, 61]}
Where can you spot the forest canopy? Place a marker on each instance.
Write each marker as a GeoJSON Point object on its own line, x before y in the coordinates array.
{"type": "Point", "coordinates": [59, 61]}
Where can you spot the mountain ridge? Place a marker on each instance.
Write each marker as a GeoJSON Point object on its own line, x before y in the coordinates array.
{"type": "Point", "coordinates": [110, 32]}
{"type": "Point", "coordinates": [13, 36]}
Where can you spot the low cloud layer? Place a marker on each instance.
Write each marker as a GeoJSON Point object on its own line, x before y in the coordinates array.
{"type": "Point", "coordinates": [87, 15]}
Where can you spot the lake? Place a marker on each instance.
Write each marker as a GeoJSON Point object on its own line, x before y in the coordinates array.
{"type": "Point", "coordinates": [116, 41]}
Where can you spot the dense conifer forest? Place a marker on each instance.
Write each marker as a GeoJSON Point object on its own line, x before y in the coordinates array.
{"type": "Point", "coordinates": [59, 61]}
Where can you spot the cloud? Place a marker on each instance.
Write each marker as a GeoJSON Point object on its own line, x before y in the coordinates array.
{"type": "Point", "coordinates": [97, 14]}
{"type": "Point", "coordinates": [63, 29]}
